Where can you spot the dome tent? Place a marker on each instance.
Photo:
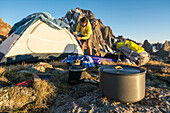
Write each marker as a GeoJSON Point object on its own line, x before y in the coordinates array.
{"type": "Point", "coordinates": [39, 36]}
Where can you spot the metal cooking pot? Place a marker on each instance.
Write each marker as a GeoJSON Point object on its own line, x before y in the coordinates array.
{"type": "Point", "coordinates": [75, 73]}
{"type": "Point", "coordinates": [122, 82]}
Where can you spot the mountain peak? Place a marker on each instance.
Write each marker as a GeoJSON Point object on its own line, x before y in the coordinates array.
{"type": "Point", "coordinates": [103, 37]}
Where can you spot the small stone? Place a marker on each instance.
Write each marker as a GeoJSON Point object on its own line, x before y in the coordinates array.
{"type": "Point", "coordinates": [163, 109]}
{"type": "Point", "coordinates": [92, 81]}
{"type": "Point", "coordinates": [167, 103]}
{"type": "Point", "coordinates": [157, 106]}
{"type": "Point", "coordinates": [147, 98]}
{"type": "Point", "coordinates": [86, 80]}
{"type": "Point", "coordinates": [160, 96]}
{"type": "Point", "coordinates": [94, 75]}
{"type": "Point", "coordinates": [25, 71]}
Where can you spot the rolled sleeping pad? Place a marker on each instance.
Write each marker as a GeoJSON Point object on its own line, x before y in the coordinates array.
{"type": "Point", "coordinates": [97, 61]}
{"type": "Point", "coordinates": [101, 58]}
{"type": "Point", "coordinates": [109, 59]}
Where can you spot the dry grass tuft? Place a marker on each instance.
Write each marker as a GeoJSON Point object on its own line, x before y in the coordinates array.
{"type": "Point", "coordinates": [17, 67]}
{"type": "Point", "coordinates": [2, 70]}
{"type": "Point", "coordinates": [16, 77]}
{"type": "Point", "coordinates": [57, 63]}
{"type": "Point", "coordinates": [26, 99]}
{"type": "Point", "coordinates": [124, 63]}
{"type": "Point", "coordinates": [108, 63]}
{"type": "Point", "coordinates": [13, 98]}
{"type": "Point", "coordinates": [151, 62]}
{"type": "Point", "coordinates": [4, 81]}
{"type": "Point", "coordinates": [116, 63]}
{"type": "Point", "coordinates": [45, 94]}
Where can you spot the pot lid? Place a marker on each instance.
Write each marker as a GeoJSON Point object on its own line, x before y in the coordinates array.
{"type": "Point", "coordinates": [77, 68]}
{"type": "Point", "coordinates": [121, 69]}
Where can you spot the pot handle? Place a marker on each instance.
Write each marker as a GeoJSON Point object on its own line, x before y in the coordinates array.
{"type": "Point", "coordinates": [118, 68]}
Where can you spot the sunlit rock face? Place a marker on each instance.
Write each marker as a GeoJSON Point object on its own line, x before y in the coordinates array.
{"type": "Point", "coordinates": [4, 30]}
{"type": "Point", "coordinates": [103, 38]}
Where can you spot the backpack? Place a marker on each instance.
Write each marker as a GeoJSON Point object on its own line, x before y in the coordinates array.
{"type": "Point", "coordinates": [134, 52]}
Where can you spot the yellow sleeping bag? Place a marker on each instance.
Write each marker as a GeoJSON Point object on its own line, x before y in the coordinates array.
{"type": "Point", "coordinates": [130, 44]}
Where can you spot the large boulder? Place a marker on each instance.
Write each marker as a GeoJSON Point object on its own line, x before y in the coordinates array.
{"type": "Point", "coordinates": [166, 46]}
{"type": "Point", "coordinates": [103, 37]}
{"type": "Point", "coordinates": [164, 52]}
{"type": "Point", "coordinates": [157, 46]}
{"type": "Point", "coordinates": [4, 30]}
{"type": "Point", "coordinates": [148, 47]}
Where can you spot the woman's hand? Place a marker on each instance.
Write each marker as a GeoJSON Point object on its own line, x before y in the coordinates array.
{"type": "Point", "coordinates": [79, 38]}
{"type": "Point", "coordinates": [74, 33]}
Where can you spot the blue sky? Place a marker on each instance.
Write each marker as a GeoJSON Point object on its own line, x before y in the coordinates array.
{"type": "Point", "coordinates": [135, 19]}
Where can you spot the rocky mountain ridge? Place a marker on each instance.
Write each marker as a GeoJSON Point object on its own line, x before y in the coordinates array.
{"type": "Point", "coordinates": [103, 36]}
{"type": "Point", "coordinates": [103, 39]}
{"type": "Point", "coordinates": [158, 49]}
{"type": "Point", "coordinates": [4, 30]}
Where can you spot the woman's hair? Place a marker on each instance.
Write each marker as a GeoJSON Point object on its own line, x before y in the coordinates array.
{"type": "Point", "coordinates": [84, 19]}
